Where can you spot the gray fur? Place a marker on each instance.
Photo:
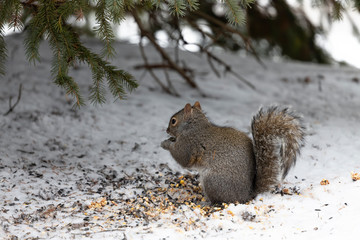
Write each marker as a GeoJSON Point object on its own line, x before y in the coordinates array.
{"type": "Point", "coordinates": [278, 135]}
{"type": "Point", "coordinates": [225, 156]}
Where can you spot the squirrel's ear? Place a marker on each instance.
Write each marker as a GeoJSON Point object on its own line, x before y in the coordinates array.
{"type": "Point", "coordinates": [197, 105]}
{"type": "Point", "coordinates": [187, 111]}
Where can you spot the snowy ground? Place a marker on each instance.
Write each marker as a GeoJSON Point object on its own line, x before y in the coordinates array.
{"type": "Point", "coordinates": [99, 172]}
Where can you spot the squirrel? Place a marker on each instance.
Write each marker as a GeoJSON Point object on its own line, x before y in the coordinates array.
{"type": "Point", "coordinates": [232, 167]}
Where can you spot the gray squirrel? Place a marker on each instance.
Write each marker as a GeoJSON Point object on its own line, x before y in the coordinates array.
{"type": "Point", "coordinates": [232, 167]}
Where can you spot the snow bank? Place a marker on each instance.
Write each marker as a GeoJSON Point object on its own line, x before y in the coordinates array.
{"type": "Point", "coordinates": [68, 173]}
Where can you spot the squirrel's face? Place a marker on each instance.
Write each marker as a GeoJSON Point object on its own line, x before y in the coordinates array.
{"type": "Point", "coordinates": [181, 119]}
{"type": "Point", "coordinates": [176, 124]}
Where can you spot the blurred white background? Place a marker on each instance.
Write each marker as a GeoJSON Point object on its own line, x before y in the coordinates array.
{"type": "Point", "coordinates": [340, 41]}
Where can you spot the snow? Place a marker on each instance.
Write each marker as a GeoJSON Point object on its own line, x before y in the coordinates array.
{"type": "Point", "coordinates": [56, 161]}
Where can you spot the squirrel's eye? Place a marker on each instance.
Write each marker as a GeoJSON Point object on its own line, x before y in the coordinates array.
{"type": "Point", "coordinates": [173, 121]}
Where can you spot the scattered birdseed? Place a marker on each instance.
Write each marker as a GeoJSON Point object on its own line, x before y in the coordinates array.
{"type": "Point", "coordinates": [355, 176]}
{"type": "Point", "coordinates": [324, 182]}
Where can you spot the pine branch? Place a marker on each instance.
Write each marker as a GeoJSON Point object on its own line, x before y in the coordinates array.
{"type": "Point", "coordinates": [193, 5]}
{"type": "Point", "coordinates": [69, 8]}
{"type": "Point", "coordinates": [101, 69]}
{"type": "Point", "coordinates": [104, 29]}
{"type": "Point", "coordinates": [97, 90]}
{"type": "Point", "coordinates": [49, 20]}
{"type": "Point", "coordinates": [338, 9]}
{"type": "Point", "coordinates": [71, 88]}
{"type": "Point", "coordinates": [156, 3]}
{"type": "Point", "coordinates": [60, 40]}
{"type": "Point", "coordinates": [247, 3]}
{"type": "Point", "coordinates": [235, 14]}
{"type": "Point", "coordinates": [178, 7]}
{"type": "Point", "coordinates": [116, 10]}
{"type": "Point", "coordinates": [6, 10]}
{"type": "Point", "coordinates": [15, 21]}
{"type": "Point", "coordinates": [130, 4]}
{"type": "Point", "coordinates": [35, 32]}
{"type": "Point", "coordinates": [67, 49]}
{"type": "Point", "coordinates": [6, 7]}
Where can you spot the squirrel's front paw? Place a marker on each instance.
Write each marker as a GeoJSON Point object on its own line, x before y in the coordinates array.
{"type": "Point", "coordinates": [166, 143]}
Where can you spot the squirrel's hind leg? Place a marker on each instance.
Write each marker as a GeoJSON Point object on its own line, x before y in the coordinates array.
{"type": "Point", "coordinates": [222, 188]}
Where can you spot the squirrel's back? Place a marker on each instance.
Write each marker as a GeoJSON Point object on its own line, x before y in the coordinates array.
{"type": "Point", "coordinates": [233, 167]}
{"type": "Point", "coordinates": [228, 168]}
{"type": "Point", "coordinates": [278, 135]}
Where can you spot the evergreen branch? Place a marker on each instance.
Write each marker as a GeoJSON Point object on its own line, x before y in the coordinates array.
{"type": "Point", "coordinates": [71, 88]}
{"type": "Point", "coordinates": [177, 7]}
{"type": "Point", "coordinates": [116, 9]}
{"type": "Point", "coordinates": [101, 69]}
{"type": "Point", "coordinates": [193, 5]}
{"type": "Point", "coordinates": [67, 48]}
{"type": "Point", "coordinates": [62, 79]}
{"type": "Point", "coordinates": [72, 8]}
{"type": "Point", "coordinates": [104, 29]}
{"type": "Point", "coordinates": [130, 4]}
{"type": "Point", "coordinates": [156, 3]}
{"type": "Point", "coordinates": [235, 14]}
{"type": "Point", "coordinates": [115, 79]}
{"type": "Point", "coordinates": [58, 43]}
{"type": "Point", "coordinates": [49, 19]}
{"type": "Point", "coordinates": [15, 21]}
{"type": "Point", "coordinates": [97, 90]}
{"type": "Point", "coordinates": [35, 32]}
{"type": "Point", "coordinates": [246, 3]}
{"type": "Point", "coordinates": [338, 9]}
{"type": "Point", "coordinates": [60, 40]}
{"type": "Point", "coordinates": [6, 8]}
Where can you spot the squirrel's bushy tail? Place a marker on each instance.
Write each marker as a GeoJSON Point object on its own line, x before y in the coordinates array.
{"type": "Point", "coordinates": [278, 136]}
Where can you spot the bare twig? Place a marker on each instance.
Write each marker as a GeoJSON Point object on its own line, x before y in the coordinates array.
{"type": "Point", "coordinates": [169, 83]}
{"type": "Point", "coordinates": [203, 33]}
{"type": "Point", "coordinates": [166, 89]}
{"type": "Point", "coordinates": [176, 35]}
{"type": "Point", "coordinates": [158, 66]}
{"type": "Point", "coordinates": [210, 55]}
{"type": "Point", "coordinates": [232, 30]}
{"type": "Point", "coordinates": [12, 107]}
{"type": "Point", "coordinates": [151, 66]}
{"type": "Point", "coordinates": [212, 66]}
{"type": "Point", "coordinates": [164, 55]}
{"type": "Point", "coordinates": [228, 68]}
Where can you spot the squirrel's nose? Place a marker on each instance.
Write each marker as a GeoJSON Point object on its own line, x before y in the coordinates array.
{"type": "Point", "coordinates": [167, 130]}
